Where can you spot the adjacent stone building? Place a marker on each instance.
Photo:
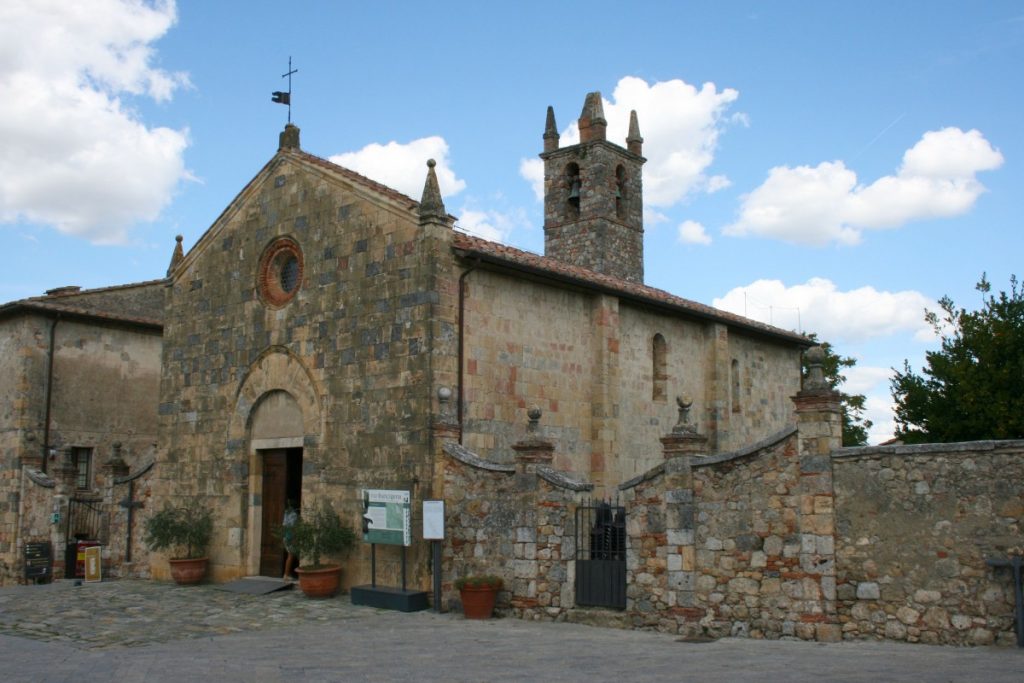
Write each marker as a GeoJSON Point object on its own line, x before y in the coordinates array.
{"type": "Point", "coordinates": [80, 372]}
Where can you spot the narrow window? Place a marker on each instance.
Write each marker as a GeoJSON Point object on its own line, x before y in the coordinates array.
{"type": "Point", "coordinates": [572, 181]}
{"type": "Point", "coordinates": [735, 373]}
{"type": "Point", "coordinates": [81, 458]}
{"type": "Point", "coordinates": [620, 192]}
{"type": "Point", "coordinates": [659, 368]}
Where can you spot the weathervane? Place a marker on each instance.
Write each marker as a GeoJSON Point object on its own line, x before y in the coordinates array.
{"type": "Point", "coordinates": [285, 97]}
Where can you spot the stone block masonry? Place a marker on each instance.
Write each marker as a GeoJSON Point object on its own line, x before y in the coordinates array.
{"type": "Point", "coordinates": [915, 525]}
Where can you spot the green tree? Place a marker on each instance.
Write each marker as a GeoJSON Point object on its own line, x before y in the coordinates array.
{"type": "Point", "coordinates": [855, 426]}
{"type": "Point", "coordinates": [973, 386]}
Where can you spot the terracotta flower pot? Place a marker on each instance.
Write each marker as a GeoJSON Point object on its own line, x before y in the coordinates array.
{"type": "Point", "coordinates": [478, 601]}
{"type": "Point", "coordinates": [320, 583]}
{"type": "Point", "coordinates": [189, 571]}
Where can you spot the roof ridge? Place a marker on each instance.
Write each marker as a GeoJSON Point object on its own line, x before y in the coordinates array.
{"type": "Point", "coordinates": [49, 298]}
{"type": "Point", "coordinates": [354, 175]}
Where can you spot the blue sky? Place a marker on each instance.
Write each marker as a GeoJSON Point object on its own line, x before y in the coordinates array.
{"type": "Point", "coordinates": [832, 167]}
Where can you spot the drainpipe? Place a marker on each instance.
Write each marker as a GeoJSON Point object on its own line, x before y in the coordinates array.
{"type": "Point", "coordinates": [462, 342]}
{"type": "Point", "coordinates": [49, 391]}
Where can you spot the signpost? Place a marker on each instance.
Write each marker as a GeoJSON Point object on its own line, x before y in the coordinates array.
{"type": "Point", "coordinates": [38, 562]}
{"type": "Point", "coordinates": [386, 517]}
{"type": "Point", "coordinates": [433, 531]}
{"type": "Point", "coordinates": [387, 521]}
{"type": "Point", "coordinates": [93, 567]}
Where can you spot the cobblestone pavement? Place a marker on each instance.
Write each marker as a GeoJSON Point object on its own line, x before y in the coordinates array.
{"type": "Point", "coordinates": [147, 631]}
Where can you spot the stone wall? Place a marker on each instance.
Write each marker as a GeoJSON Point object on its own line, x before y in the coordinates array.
{"type": "Point", "coordinates": [587, 360]}
{"type": "Point", "coordinates": [731, 545]}
{"type": "Point", "coordinates": [513, 521]}
{"type": "Point", "coordinates": [915, 526]}
{"type": "Point", "coordinates": [89, 355]}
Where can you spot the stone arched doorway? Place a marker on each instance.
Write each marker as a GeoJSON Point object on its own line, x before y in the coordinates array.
{"type": "Point", "coordinates": [276, 440]}
{"type": "Point", "coordinates": [278, 415]}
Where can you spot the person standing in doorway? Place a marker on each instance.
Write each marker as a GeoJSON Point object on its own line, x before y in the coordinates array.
{"type": "Point", "coordinates": [291, 515]}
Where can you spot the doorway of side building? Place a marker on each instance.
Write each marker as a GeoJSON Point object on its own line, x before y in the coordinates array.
{"type": "Point", "coordinates": [282, 484]}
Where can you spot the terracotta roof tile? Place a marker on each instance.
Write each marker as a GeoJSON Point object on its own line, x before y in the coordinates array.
{"type": "Point", "coordinates": [140, 303]}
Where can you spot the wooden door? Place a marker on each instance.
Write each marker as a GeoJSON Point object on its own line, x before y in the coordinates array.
{"type": "Point", "coordinates": [275, 481]}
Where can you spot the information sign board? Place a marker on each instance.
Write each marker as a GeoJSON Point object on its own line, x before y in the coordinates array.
{"type": "Point", "coordinates": [386, 517]}
{"type": "Point", "coordinates": [433, 520]}
{"type": "Point", "coordinates": [93, 571]}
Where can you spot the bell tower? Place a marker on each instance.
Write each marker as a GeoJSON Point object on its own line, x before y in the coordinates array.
{"type": "Point", "coordinates": [593, 196]}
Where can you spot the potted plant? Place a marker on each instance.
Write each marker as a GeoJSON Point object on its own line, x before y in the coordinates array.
{"type": "Point", "coordinates": [478, 594]}
{"type": "Point", "coordinates": [318, 532]}
{"type": "Point", "coordinates": [184, 533]}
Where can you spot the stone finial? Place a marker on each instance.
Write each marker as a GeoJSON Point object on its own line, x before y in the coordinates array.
{"type": "Point", "coordinates": [446, 410]}
{"type": "Point", "coordinates": [431, 204]}
{"type": "Point", "coordinates": [533, 426]}
{"type": "Point", "coordinates": [634, 143]}
{"type": "Point", "coordinates": [176, 256]}
{"type": "Point", "coordinates": [593, 125]}
{"type": "Point", "coordinates": [550, 132]}
{"type": "Point", "coordinates": [683, 439]}
{"type": "Point", "coordinates": [683, 425]}
{"type": "Point", "coordinates": [815, 380]}
{"type": "Point", "coordinates": [534, 448]}
{"type": "Point", "coordinates": [289, 138]}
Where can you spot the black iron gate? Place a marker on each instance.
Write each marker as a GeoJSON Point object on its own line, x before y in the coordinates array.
{"type": "Point", "coordinates": [601, 556]}
{"type": "Point", "coordinates": [86, 525]}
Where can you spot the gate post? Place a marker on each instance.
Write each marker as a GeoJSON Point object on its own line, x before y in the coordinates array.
{"type": "Point", "coordinates": [679, 447]}
{"type": "Point", "coordinates": [820, 425]}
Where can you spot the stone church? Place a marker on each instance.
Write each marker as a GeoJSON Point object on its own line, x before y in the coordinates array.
{"type": "Point", "coordinates": [312, 334]}
{"type": "Point", "coordinates": [328, 334]}
{"type": "Point", "coordinates": [299, 349]}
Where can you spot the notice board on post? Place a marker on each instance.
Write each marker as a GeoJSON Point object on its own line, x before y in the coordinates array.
{"type": "Point", "coordinates": [386, 517]}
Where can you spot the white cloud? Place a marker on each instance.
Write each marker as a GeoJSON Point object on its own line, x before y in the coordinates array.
{"type": "Point", "coordinates": [823, 204]}
{"type": "Point", "coordinates": [836, 316]}
{"type": "Point", "coordinates": [880, 409]}
{"type": "Point", "coordinates": [865, 379]}
{"type": "Point", "coordinates": [680, 125]}
{"type": "Point", "coordinates": [74, 156]}
{"type": "Point", "coordinates": [404, 166]}
{"type": "Point", "coordinates": [692, 232]}
{"type": "Point", "coordinates": [496, 226]}
{"type": "Point", "coordinates": [873, 382]}
{"type": "Point", "coordinates": [533, 171]}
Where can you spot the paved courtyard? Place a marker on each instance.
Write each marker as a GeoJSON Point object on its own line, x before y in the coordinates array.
{"type": "Point", "coordinates": [145, 631]}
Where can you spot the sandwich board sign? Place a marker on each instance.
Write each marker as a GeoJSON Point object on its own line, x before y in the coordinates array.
{"type": "Point", "coordinates": [386, 517]}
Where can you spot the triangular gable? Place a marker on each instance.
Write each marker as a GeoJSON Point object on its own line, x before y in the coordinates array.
{"type": "Point", "coordinates": [359, 185]}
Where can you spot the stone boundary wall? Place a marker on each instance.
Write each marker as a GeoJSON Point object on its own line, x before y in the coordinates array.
{"type": "Point", "coordinates": [37, 503]}
{"type": "Point", "coordinates": [42, 495]}
{"type": "Point", "coordinates": [515, 522]}
{"type": "Point", "coordinates": [737, 544]}
{"type": "Point", "coordinates": [115, 560]}
{"type": "Point", "coordinates": [915, 526]}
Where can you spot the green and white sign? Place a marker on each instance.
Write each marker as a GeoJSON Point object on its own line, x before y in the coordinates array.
{"type": "Point", "coordinates": [386, 517]}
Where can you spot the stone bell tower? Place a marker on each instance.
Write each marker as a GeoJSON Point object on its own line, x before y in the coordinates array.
{"type": "Point", "coordinates": [593, 196]}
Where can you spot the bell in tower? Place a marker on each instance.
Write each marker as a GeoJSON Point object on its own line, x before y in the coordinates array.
{"type": "Point", "coordinates": [593, 208]}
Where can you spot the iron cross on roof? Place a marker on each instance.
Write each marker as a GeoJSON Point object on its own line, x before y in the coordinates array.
{"type": "Point", "coordinates": [285, 97]}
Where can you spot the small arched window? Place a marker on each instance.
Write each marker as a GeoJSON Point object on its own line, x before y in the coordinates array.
{"type": "Point", "coordinates": [735, 377]}
{"type": "Point", "coordinates": [659, 370]}
{"type": "Point", "coordinates": [620, 191]}
{"type": "Point", "coordinates": [573, 183]}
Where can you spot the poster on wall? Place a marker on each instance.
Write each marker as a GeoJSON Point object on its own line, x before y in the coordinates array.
{"type": "Point", "coordinates": [386, 517]}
